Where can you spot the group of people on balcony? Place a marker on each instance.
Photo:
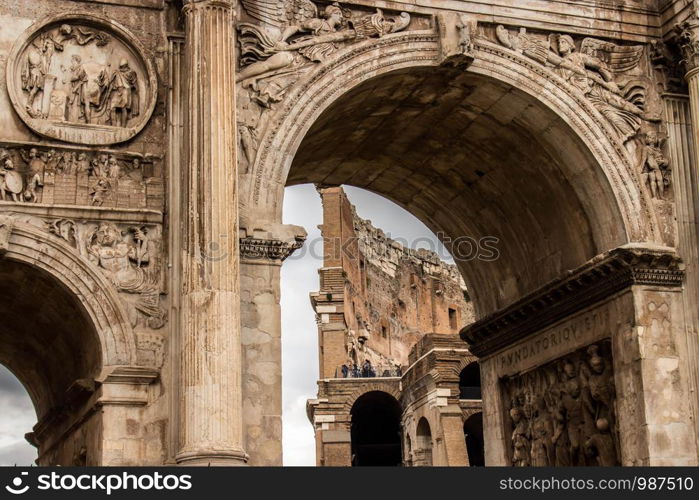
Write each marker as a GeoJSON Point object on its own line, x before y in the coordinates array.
{"type": "Point", "coordinates": [367, 370]}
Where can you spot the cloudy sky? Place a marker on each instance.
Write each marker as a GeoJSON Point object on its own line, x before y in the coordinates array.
{"type": "Point", "coordinates": [299, 338]}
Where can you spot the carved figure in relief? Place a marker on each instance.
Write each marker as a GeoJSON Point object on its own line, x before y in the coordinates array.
{"type": "Point", "coordinates": [574, 417]}
{"type": "Point", "coordinates": [52, 161]}
{"type": "Point", "coordinates": [564, 411]}
{"type": "Point", "coordinates": [113, 168]}
{"type": "Point", "coordinates": [542, 432]}
{"type": "Point", "coordinates": [248, 121]}
{"type": "Point", "coordinates": [591, 70]}
{"type": "Point", "coordinates": [129, 266]}
{"type": "Point", "coordinates": [600, 446]}
{"type": "Point", "coordinates": [82, 164]}
{"type": "Point", "coordinates": [135, 171]}
{"type": "Point", "coordinates": [10, 179]}
{"type": "Point", "coordinates": [121, 93]}
{"type": "Point", "coordinates": [559, 439]}
{"type": "Point", "coordinates": [600, 388]}
{"type": "Point", "coordinates": [654, 165]}
{"type": "Point", "coordinates": [79, 97]}
{"type": "Point", "coordinates": [466, 28]}
{"type": "Point", "coordinates": [100, 191]}
{"type": "Point", "coordinates": [36, 165]}
{"type": "Point", "coordinates": [520, 439]}
{"type": "Point", "coordinates": [100, 166]}
{"type": "Point", "coordinates": [301, 35]}
{"type": "Point", "coordinates": [591, 75]}
{"type": "Point", "coordinates": [82, 36]}
{"type": "Point", "coordinates": [33, 77]}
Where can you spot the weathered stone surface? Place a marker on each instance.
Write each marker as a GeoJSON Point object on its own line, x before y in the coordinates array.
{"type": "Point", "coordinates": [141, 235]}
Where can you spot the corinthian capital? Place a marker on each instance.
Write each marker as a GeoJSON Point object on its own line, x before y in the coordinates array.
{"type": "Point", "coordinates": [226, 4]}
{"type": "Point", "coordinates": [688, 41]}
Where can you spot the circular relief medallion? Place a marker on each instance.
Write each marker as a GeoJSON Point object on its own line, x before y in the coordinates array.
{"type": "Point", "coordinates": [81, 79]}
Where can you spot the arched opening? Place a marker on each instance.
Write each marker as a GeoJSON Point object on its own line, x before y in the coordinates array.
{"type": "Point", "coordinates": [520, 185]}
{"type": "Point", "coordinates": [423, 442]}
{"type": "Point", "coordinates": [375, 433]}
{"type": "Point", "coordinates": [473, 433]}
{"type": "Point", "coordinates": [470, 381]}
{"type": "Point", "coordinates": [505, 182]}
{"type": "Point", "coordinates": [18, 416]}
{"type": "Point", "coordinates": [47, 341]}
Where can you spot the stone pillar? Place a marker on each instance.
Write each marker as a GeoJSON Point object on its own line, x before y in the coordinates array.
{"type": "Point", "coordinates": [262, 254]}
{"type": "Point", "coordinates": [610, 335]}
{"type": "Point", "coordinates": [210, 420]}
{"type": "Point", "coordinates": [683, 145]}
{"type": "Point", "coordinates": [452, 428]}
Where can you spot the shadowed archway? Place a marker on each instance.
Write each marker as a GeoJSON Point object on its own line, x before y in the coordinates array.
{"type": "Point", "coordinates": [376, 430]}
{"type": "Point", "coordinates": [476, 160]}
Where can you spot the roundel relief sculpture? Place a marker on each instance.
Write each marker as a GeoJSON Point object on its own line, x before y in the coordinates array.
{"type": "Point", "coordinates": [81, 79]}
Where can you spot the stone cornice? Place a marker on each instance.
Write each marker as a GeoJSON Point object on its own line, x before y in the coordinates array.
{"type": "Point", "coordinates": [252, 249]}
{"type": "Point", "coordinates": [598, 279]}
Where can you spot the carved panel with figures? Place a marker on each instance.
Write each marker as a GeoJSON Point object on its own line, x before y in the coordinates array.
{"type": "Point", "coordinates": [129, 255]}
{"type": "Point", "coordinates": [81, 79]}
{"type": "Point", "coordinates": [79, 176]}
{"type": "Point", "coordinates": [563, 413]}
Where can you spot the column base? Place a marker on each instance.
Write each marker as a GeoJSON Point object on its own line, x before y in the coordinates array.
{"type": "Point", "coordinates": [212, 458]}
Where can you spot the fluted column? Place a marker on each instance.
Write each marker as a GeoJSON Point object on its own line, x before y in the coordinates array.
{"type": "Point", "coordinates": [210, 417]}
{"type": "Point", "coordinates": [684, 153]}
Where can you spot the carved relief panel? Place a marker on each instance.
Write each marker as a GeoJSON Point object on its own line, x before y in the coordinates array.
{"type": "Point", "coordinates": [81, 176]}
{"type": "Point", "coordinates": [129, 255]}
{"type": "Point", "coordinates": [563, 413]}
{"type": "Point", "coordinates": [81, 79]}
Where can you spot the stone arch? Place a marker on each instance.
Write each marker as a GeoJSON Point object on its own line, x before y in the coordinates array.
{"type": "Point", "coordinates": [389, 388]}
{"type": "Point", "coordinates": [594, 168]}
{"type": "Point", "coordinates": [30, 245]}
{"type": "Point", "coordinates": [418, 49]}
{"type": "Point", "coordinates": [424, 443]}
{"type": "Point", "coordinates": [375, 430]}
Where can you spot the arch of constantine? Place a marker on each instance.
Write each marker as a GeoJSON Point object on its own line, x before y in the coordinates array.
{"type": "Point", "coordinates": [145, 146]}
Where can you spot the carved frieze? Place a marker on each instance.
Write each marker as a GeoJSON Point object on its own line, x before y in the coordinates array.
{"type": "Point", "coordinates": [81, 79]}
{"type": "Point", "coordinates": [563, 413]}
{"type": "Point", "coordinates": [130, 258]}
{"type": "Point", "coordinates": [296, 34]}
{"type": "Point", "coordinates": [611, 76]}
{"type": "Point", "coordinates": [75, 176]}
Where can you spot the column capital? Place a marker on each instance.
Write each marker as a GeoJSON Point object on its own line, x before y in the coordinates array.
{"type": "Point", "coordinates": [688, 41]}
{"type": "Point", "coordinates": [252, 249]}
{"type": "Point", "coordinates": [269, 241]}
{"type": "Point", "coordinates": [190, 5]}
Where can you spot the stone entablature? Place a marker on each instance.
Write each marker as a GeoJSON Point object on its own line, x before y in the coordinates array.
{"type": "Point", "coordinates": [599, 279]}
